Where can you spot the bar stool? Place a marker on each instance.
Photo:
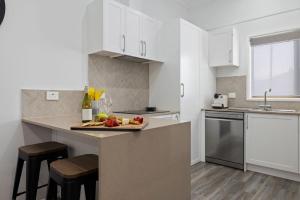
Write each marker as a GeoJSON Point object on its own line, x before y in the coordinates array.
{"type": "Point", "coordinates": [70, 174]}
{"type": "Point", "coordinates": [34, 155]}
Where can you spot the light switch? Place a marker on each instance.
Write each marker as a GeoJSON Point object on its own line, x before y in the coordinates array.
{"type": "Point", "coordinates": [232, 95]}
{"type": "Point", "coordinates": [52, 96]}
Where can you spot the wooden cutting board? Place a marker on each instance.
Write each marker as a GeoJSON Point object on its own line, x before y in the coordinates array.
{"type": "Point", "coordinates": [117, 128]}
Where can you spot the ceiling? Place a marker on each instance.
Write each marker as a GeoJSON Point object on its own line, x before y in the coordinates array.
{"type": "Point", "coordinates": [188, 3]}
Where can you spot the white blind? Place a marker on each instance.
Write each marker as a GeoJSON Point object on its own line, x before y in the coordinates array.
{"type": "Point", "coordinates": [276, 66]}
{"type": "Point", "coordinates": [273, 38]}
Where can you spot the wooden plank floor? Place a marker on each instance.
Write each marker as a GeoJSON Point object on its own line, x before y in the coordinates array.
{"type": "Point", "coordinates": [214, 182]}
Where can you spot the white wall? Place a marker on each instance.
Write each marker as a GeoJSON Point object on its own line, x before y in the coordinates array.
{"type": "Point", "coordinates": [216, 13]}
{"type": "Point", "coordinates": [41, 48]}
{"type": "Point", "coordinates": [163, 10]}
{"type": "Point", "coordinates": [251, 18]}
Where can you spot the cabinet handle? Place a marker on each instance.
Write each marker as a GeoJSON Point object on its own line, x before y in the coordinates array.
{"type": "Point", "coordinates": [145, 48]}
{"type": "Point", "coordinates": [247, 122]}
{"type": "Point", "coordinates": [124, 43]}
{"type": "Point", "coordinates": [142, 51]}
{"type": "Point", "coordinates": [230, 56]}
{"type": "Point", "coordinates": [182, 90]}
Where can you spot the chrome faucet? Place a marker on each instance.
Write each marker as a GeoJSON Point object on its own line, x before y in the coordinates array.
{"type": "Point", "coordinates": [266, 107]}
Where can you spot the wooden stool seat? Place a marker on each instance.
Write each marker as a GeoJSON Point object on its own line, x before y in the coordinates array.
{"type": "Point", "coordinates": [76, 167]}
{"type": "Point", "coordinates": [71, 174]}
{"type": "Point", "coordinates": [41, 149]}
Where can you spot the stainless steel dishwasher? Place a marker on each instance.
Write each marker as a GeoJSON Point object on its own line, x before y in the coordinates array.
{"type": "Point", "coordinates": [224, 138]}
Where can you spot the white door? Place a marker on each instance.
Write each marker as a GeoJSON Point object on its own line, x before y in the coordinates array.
{"type": "Point", "coordinates": [220, 49]}
{"type": "Point", "coordinates": [272, 141]}
{"type": "Point", "coordinates": [149, 31]}
{"type": "Point", "coordinates": [132, 33]}
{"type": "Point", "coordinates": [190, 108]}
{"type": "Point", "coordinates": [114, 36]}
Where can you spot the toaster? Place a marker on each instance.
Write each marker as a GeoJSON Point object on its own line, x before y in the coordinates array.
{"type": "Point", "coordinates": [220, 101]}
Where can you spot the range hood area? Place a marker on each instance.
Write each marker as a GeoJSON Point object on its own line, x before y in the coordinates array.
{"type": "Point", "coordinates": [134, 59]}
{"type": "Point", "coordinates": [128, 58]}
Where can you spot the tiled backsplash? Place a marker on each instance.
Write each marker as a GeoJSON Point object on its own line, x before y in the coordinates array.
{"type": "Point", "coordinates": [126, 82]}
{"type": "Point", "coordinates": [238, 84]}
{"type": "Point", "coordinates": [34, 104]}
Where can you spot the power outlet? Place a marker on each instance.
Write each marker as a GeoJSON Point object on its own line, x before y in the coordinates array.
{"type": "Point", "coordinates": [232, 95]}
{"type": "Point", "coordinates": [52, 96]}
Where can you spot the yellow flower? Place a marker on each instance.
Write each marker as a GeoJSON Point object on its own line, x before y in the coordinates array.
{"type": "Point", "coordinates": [98, 94]}
{"type": "Point", "coordinates": [91, 93]}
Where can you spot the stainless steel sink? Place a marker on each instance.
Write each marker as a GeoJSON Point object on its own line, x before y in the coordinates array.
{"type": "Point", "coordinates": [262, 110]}
{"type": "Point", "coordinates": [283, 110]}
{"type": "Point", "coordinates": [272, 110]}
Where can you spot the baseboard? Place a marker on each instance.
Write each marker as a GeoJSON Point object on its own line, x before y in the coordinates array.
{"type": "Point", "coordinates": [196, 161]}
{"type": "Point", "coordinates": [274, 172]}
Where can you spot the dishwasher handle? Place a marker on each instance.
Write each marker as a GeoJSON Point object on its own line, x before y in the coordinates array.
{"type": "Point", "coordinates": [224, 115]}
{"type": "Point", "coordinates": [222, 119]}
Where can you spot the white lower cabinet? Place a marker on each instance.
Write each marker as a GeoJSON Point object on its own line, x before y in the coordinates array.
{"type": "Point", "coordinates": [273, 141]}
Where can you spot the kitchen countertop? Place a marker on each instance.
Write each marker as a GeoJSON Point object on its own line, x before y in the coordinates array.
{"type": "Point", "coordinates": [64, 124]}
{"type": "Point", "coordinates": [253, 110]}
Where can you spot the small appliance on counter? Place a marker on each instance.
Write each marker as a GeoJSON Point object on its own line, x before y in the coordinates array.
{"type": "Point", "coordinates": [220, 101]}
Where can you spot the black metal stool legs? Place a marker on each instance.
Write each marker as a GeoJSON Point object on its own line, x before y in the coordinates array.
{"type": "Point", "coordinates": [52, 190]}
{"type": "Point", "coordinates": [90, 190]}
{"type": "Point", "coordinates": [70, 191]}
{"type": "Point", "coordinates": [32, 178]}
{"type": "Point", "coordinates": [65, 154]}
{"type": "Point", "coordinates": [17, 178]}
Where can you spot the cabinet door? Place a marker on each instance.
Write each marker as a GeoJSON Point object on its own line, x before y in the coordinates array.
{"type": "Point", "coordinates": [220, 49]}
{"type": "Point", "coordinates": [113, 19]}
{"type": "Point", "coordinates": [190, 108]}
{"type": "Point", "coordinates": [272, 141]}
{"type": "Point", "coordinates": [149, 31]}
{"type": "Point", "coordinates": [132, 33]}
{"type": "Point", "coordinates": [223, 48]}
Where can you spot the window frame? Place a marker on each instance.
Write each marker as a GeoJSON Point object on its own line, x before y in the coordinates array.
{"type": "Point", "coordinates": [250, 96]}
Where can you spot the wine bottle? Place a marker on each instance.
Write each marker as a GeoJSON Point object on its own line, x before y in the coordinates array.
{"type": "Point", "coordinates": [87, 113]}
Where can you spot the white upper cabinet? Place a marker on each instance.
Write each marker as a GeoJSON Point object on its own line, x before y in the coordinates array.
{"type": "Point", "coordinates": [223, 48]}
{"type": "Point", "coordinates": [114, 35]}
{"type": "Point", "coordinates": [149, 37]}
{"type": "Point", "coordinates": [115, 30]}
{"type": "Point", "coordinates": [272, 141]}
{"type": "Point", "coordinates": [132, 33]}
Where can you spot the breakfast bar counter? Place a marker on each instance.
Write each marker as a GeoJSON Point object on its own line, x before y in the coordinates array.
{"type": "Point", "coordinates": [153, 163]}
{"type": "Point", "coordinates": [64, 124]}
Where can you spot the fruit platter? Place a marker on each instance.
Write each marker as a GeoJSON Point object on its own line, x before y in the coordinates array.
{"type": "Point", "coordinates": [103, 122]}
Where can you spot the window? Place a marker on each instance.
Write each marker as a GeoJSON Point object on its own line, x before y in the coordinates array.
{"type": "Point", "coordinates": [276, 65]}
